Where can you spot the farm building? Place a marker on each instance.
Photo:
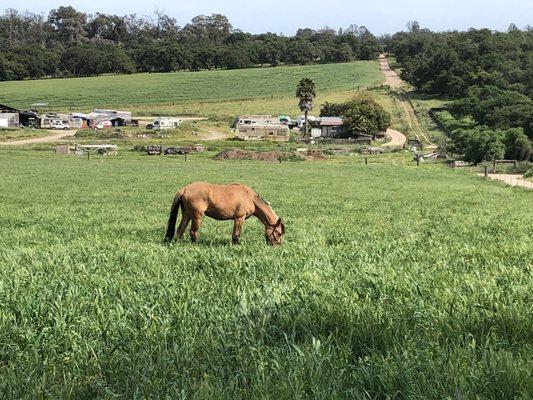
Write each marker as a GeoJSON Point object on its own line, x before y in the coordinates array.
{"type": "Point", "coordinates": [117, 118]}
{"type": "Point", "coordinates": [9, 117]}
{"type": "Point", "coordinates": [331, 127]}
{"type": "Point", "coordinates": [30, 118]}
{"type": "Point", "coordinates": [274, 132]}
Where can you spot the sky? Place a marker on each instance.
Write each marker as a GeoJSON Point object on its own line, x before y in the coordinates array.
{"type": "Point", "coordinates": [286, 16]}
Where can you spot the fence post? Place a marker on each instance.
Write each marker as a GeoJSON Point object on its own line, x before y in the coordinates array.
{"type": "Point", "coordinates": [366, 160]}
{"type": "Point", "coordinates": [493, 166]}
{"type": "Point", "coordinates": [486, 171]}
{"type": "Point", "coordinates": [185, 157]}
{"type": "Point", "coordinates": [417, 162]}
{"type": "Point", "coordinates": [515, 163]}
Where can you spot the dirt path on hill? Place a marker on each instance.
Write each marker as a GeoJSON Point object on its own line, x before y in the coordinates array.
{"type": "Point", "coordinates": [396, 83]}
{"type": "Point", "coordinates": [391, 77]}
{"type": "Point", "coordinates": [511, 180]}
{"type": "Point", "coordinates": [393, 80]}
{"type": "Point", "coordinates": [56, 137]}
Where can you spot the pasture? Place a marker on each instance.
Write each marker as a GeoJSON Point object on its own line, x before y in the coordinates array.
{"type": "Point", "coordinates": [393, 282]}
{"type": "Point", "coordinates": [207, 93]}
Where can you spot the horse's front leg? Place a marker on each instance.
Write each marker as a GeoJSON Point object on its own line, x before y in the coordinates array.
{"type": "Point", "coordinates": [237, 226]}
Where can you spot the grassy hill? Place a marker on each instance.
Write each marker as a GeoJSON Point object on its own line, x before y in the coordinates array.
{"type": "Point", "coordinates": [190, 92]}
{"type": "Point", "coordinates": [393, 282]}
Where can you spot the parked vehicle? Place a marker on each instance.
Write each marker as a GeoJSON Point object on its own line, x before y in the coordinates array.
{"type": "Point", "coordinates": [104, 125]}
{"type": "Point", "coordinates": [154, 150]}
{"type": "Point", "coordinates": [177, 150]}
{"type": "Point", "coordinates": [55, 123]}
{"type": "Point", "coordinates": [58, 124]}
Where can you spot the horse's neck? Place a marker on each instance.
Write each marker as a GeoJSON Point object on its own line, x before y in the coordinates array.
{"type": "Point", "coordinates": [264, 213]}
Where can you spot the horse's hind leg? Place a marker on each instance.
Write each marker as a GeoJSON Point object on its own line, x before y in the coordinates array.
{"type": "Point", "coordinates": [183, 225]}
{"type": "Point", "coordinates": [237, 226]}
{"type": "Point", "coordinates": [195, 227]}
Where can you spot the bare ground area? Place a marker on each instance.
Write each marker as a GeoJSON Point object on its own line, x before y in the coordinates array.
{"type": "Point", "coordinates": [269, 156]}
{"type": "Point", "coordinates": [511, 180]}
{"type": "Point", "coordinates": [55, 137]}
{"type": "Point", "coordinates": [398, 139]}
{"type": "Point", "coordinates": [214, 135]}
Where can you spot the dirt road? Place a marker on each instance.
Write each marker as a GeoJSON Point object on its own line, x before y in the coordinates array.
{"type": "Point", "coordinates": [55, 137]}
{"type": "Point", "coordinates": [511, 180]}
{"type": "Point", "coordinates": [395, 82]}
{"type": "Point", "coordinates": [391, 77]}
{"type": "Point", "coordinates": [398, 139]}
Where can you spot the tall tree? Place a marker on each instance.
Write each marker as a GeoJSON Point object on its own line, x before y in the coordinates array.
{"type": "Point", "coordinates": [306, 93]}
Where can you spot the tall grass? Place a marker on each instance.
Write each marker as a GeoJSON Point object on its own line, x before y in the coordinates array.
{"type": "Point", "coordinates": [394, 282]}
{"type": "Point", "coordinates": [145, 91]}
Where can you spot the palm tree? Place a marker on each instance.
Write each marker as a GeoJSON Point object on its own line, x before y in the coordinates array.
{"type": "Point", "coordinates": [306, 92]}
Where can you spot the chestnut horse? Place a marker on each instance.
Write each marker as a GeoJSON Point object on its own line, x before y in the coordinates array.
{"type": "Point", "coordinates": [235, 202]}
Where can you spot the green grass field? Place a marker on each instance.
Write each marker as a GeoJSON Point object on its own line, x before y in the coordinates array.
{"type": "Point", "coordinates": [394, 282]}
{"type": "Point", "coordinates": [199, 93]}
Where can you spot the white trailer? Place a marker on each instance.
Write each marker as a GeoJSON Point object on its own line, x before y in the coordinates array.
{"type": "Point", "coordinates": [166, 123]}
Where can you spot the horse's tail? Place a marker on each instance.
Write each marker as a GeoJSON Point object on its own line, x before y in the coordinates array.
{"type": "Point", "coordinates": [171, 227]}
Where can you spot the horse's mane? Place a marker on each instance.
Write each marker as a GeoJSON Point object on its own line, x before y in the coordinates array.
{"type": "Point", "coordinates": [261, 199]}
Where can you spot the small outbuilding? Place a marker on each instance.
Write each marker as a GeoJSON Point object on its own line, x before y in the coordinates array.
{"type": "Point", "coordinates": [331, 127]}
{"type": "Point", "coordinates": [9, 117]}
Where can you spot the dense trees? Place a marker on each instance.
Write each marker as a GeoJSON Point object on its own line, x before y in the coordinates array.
{"type": "Point", "coordinates": [72, 43]}
{"type": "Point", "coordinates": [360, 114]}
{"type": "Point", "coordinates": [488, 74]}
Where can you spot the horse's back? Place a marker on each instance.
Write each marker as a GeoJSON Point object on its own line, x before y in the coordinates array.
{"type": "Point", "coordinates": [198, 188]}
{"type": "Point", "coordinates": [219, 201]}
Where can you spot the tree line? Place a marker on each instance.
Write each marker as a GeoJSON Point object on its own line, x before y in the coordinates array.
{"type": "Point", "coordinates": [488, 76]}
{"type": "Point", "coordinates": [71, 43]}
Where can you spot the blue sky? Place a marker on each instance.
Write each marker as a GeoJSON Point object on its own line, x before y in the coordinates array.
{"type": "Point", "coordinates": [385, 16]}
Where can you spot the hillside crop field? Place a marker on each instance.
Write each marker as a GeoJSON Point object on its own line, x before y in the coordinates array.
{"type": "Point", "coordinates": [393, 282]}
{"type": "Point", "coordinates": [187, 92]}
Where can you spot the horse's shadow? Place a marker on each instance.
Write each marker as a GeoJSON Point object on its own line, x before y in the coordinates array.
{"type": "Point", "coordinates": [205, 242]}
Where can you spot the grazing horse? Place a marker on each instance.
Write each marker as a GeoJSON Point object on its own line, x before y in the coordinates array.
{"type": "Point", "coordinates": [222, 202]}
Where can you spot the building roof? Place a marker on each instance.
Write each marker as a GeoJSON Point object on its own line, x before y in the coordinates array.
{"type": "Point", "coordinates": [4, 108]}
{"type": "Point", "coordinates": [331, 121]}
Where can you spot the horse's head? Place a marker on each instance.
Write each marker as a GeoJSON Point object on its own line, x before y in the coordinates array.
{"type": "Point", "coordinates": [273, 233]}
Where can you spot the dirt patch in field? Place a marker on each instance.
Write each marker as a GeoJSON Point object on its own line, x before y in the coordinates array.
{"type": "Point", "coordinates": [269, 156]}
{"type": "Point", "coordinates": [315, 155]}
